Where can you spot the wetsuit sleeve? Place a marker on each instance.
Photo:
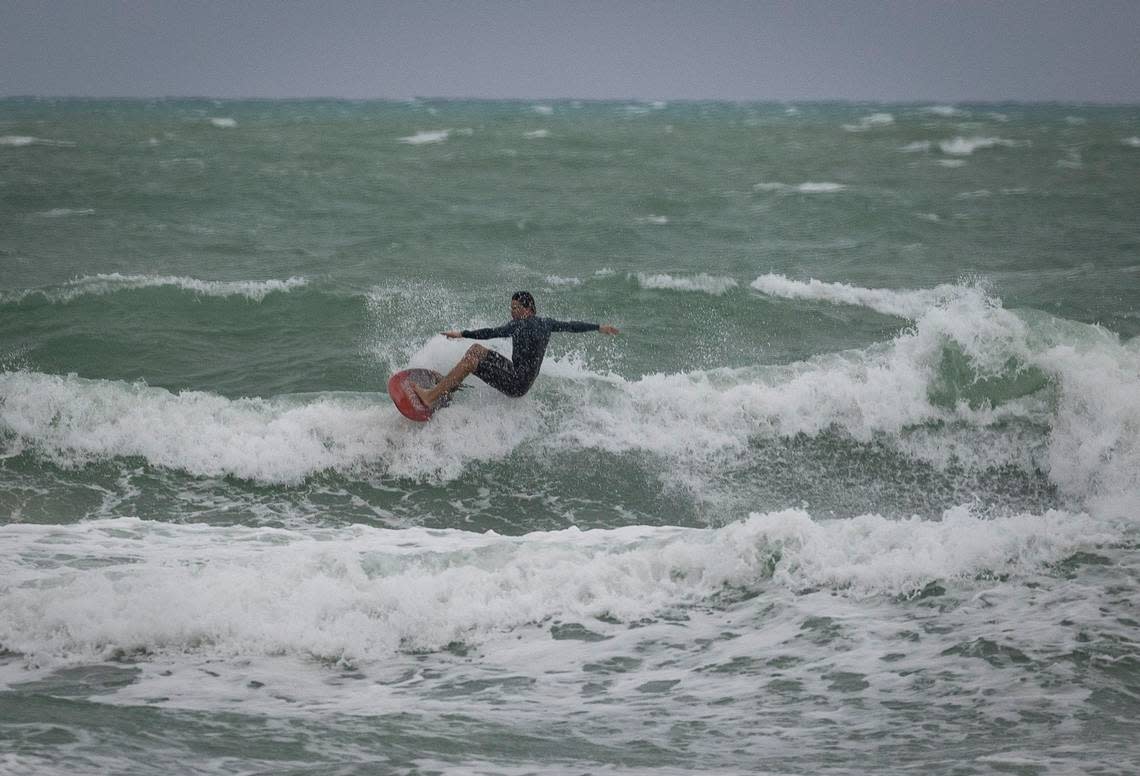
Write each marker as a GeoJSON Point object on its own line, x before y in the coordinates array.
{"type": "Point", "coordinates": [495, 333]}
{"type": "Point", "coordinates": [575, 326]}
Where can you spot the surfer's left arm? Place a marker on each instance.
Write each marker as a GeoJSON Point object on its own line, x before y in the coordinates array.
{"type": "Point", "coordinates": [582, 326]}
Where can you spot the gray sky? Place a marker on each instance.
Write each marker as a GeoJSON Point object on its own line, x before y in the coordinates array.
{"type": "Point", "coordinates": [938, 50]}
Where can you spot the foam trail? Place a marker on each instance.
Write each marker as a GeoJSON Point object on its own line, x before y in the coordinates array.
{"type": "Point", "coordinates": [870, 122]}
{"type": "Point", "coordinates": [709, 284]}
{"type": "Point", "coordinates": [224, 123]}
{"type": "Point", "coordinates": [97, 285]}
{"type": "Point", "coordinates": [17, 141]}
{"type": "Point", "coordinates": [361, 593]}
{"type": "Point", "coordinates": [965, 146]}
{"type": "Point", "coordinates": [809, 187]}
{"type": "Point", "coordinates": [61, 212]}
{"type": "Point", "coordinates": [426, 137]}
{"type": "Point", "coordinates": [73, 421]}
{"type": "Point", "coordinates": [905, 304]}
{"type": "Point", "coordinates": [557, 280]}
{"type": "Point", "coordinates": [945, 111]}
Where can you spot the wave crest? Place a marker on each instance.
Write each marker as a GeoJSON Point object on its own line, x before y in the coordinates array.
{"type": "Point", "coordinates": [101, 284]}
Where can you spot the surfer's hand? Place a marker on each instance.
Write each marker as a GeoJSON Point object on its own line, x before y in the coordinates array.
{"type": "Point", "coordinates": [452, 334]}
{"type": "Point", "coordinates": [607, 329]}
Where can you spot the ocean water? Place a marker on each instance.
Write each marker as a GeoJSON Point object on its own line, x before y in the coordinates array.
{"type": "Point", "coordinates": [856, 489]}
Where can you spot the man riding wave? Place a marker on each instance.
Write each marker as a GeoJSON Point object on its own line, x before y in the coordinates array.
{"type": "Point", "coordinates": [529, 337]}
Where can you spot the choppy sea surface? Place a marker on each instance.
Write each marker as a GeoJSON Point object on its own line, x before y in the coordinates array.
{"type": "Point", "coordinates": [856, 489]}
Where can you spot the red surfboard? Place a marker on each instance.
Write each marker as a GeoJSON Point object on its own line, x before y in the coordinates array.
{"type": "Point", "coordinates": [406, 400]}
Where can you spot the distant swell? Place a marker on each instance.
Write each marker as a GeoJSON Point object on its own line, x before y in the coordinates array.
{"type": "Point", "coordinates": [96, 285]}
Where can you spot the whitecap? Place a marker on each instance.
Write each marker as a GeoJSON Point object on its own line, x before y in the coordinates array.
{"type": "Point", "coordinates": [918, 146]}
{"type": "Point", "coordinates": [97, 285]}
{"type": "Point", "coordinates": [426, 137]}
{"type": "Point", "coordinates": [543, 110]}
{"type": "Point", "coordinates": [18, 141]}
{"type": "Point", "coordinates": [537, 134]}
{"type": "Point", "coordinates": [870, 122]}
{"type": "Point", "coordinates": [61, 212]}
{"type": "Point", "coordinates": [557, 280]}
{"type": "Point", "coordinates": [715, 285]}
{"type": "Point", "coordinates": [658, 220]}
{"type": "Point", "coordinates": [965, 146]}
{"type": "Point", "coordinates": [1132, 142]}
{"type": "Point", "coordinates": [944, 111]}
{"type": "Point", "coordinates": [903, 303]}
{"type": "Point", "coordinates": [362, 594]}
{"type": "Point", "coordinates": [809, 187]}
{"type": "Point", "coordinates": [224, 123]}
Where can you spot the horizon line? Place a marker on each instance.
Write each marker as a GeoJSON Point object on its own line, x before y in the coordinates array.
{"type": "Point", "coordinates": [550, 98]}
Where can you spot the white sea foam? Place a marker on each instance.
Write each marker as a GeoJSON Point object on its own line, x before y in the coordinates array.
{"type": "Point", "coordinates": [905, 304]}
{"type": "Point", "coordinates": [543, 110]}
{"type": "Point", "coordinates": [426, 137]}
{"type": "Point", "coordinates": [705, 283]}
{"type": "Point", "coordinates": [802, 188]}
{"type": "Point", "coordinates": [965, 146]}
{"type": "Point", "coordinates": [25, 140]}
{"type": "Point", "coordinates": [658, 220]}
{"type": "Point", "coordinates": [94, 590]}
{"type": "Point", "coordinates": [97, 285]}
{"type": "Point", "coordinates": [557, 280]}
{"type": "Point", "coordinates": [693, 422]}
{"type": "Point", "coordinates": [919, 146]}
{"type": "Point", "coordinates": [870, 122]}
{"type": "Point", "coordinates": [223, 122]}
{"type": "Point", "coordinates": [537, 134]}
{"type": "Point", "coordinates": [951, 163]}
{"type": "Point", "coordinates": [1132, 142]}
{"type": "Point", "coordinates": [945, 111]}
{"type": "Point", "coordinates": [62, 212]}
{"type": "Point", "coordinates": [1076, 121]}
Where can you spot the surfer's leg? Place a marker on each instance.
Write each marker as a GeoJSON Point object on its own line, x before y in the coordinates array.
{"type": "Point", "coordinates": [451, 381]}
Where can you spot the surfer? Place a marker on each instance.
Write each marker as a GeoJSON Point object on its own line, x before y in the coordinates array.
{"type": "Point", "coordinates": [529, 336]}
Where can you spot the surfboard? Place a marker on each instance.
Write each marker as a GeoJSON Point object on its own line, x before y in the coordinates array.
{"type": "Point", "coordinates": [406, 400]}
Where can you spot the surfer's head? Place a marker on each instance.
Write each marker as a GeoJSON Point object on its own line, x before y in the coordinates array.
{"type": "Point", "coordinates": [522, 304]}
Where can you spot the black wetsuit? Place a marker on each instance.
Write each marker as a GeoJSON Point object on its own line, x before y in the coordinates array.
{"type": "Point", "coordinates": [529, 337]}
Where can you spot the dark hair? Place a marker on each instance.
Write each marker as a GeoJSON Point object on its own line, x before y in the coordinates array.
{"type": "Point", "coordinates": [524, 298]}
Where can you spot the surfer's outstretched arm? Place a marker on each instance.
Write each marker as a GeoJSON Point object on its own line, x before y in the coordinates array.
{"type": "Point", "coordinates": [581, 326]}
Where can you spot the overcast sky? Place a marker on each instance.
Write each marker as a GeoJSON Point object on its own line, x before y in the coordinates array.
{"type": "Point", "coordinates": [936, 50]}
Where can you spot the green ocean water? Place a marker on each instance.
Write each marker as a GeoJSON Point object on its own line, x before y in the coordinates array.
{"type": "Point", "coordinates": [856, 483]}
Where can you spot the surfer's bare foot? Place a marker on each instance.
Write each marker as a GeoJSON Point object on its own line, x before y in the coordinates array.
{"type": "Point", "coordinates": [424, 394]}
